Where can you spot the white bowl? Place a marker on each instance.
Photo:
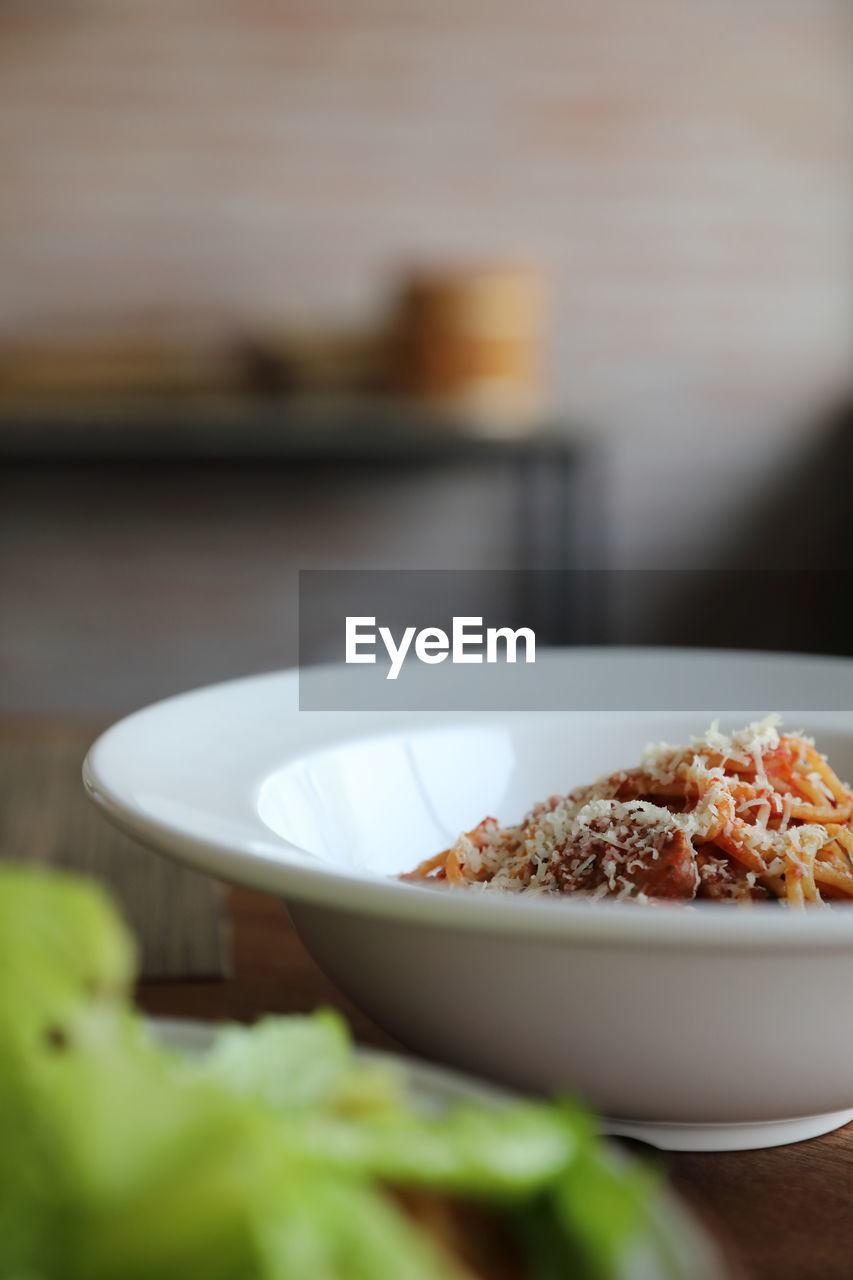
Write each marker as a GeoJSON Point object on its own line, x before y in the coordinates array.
{"type": "Point", "coordinates": [693, 1028]}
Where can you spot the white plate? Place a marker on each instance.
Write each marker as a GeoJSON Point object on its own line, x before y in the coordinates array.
{"type": "Point", "coordinates": [706, 1028]}
{"type": "Point", "coordinates": [679, 1249]}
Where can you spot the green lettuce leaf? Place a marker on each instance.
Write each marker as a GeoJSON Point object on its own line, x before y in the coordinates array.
{"type": "Point", "coordinates": [269, 1158]}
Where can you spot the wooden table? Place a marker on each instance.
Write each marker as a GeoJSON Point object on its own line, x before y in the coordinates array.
{"type": "Point", "coordinates": [783, 1214]}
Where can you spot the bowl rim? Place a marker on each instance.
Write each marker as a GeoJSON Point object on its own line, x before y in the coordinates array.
{"type": "Point", "coordinates": [276, 865]}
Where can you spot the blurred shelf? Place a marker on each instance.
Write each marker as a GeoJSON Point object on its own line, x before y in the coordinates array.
{"type": "Point", "coordinates": [549, 492]}
{"type": "Point", "coordinates": [373, 432]}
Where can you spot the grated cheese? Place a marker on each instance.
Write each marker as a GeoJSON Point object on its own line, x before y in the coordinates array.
{"type": "Point", "coordinates": [603, 840]}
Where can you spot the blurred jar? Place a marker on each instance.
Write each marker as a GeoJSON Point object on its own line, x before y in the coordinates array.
{"type": "Point", "coordinates": [469, 342]}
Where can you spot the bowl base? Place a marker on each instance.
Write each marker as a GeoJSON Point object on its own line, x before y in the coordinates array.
{"type": "Point", "coordinates": [727, 1137]}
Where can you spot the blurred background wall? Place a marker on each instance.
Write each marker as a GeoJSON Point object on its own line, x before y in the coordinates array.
{"type": "Point", "coordinates": [212, 173]}
{"type": "Point", "coordinates": [681, 171]}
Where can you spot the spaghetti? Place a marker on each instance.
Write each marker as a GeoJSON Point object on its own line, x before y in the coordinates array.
{"type": "Point", "coordinates": [736, 817]}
